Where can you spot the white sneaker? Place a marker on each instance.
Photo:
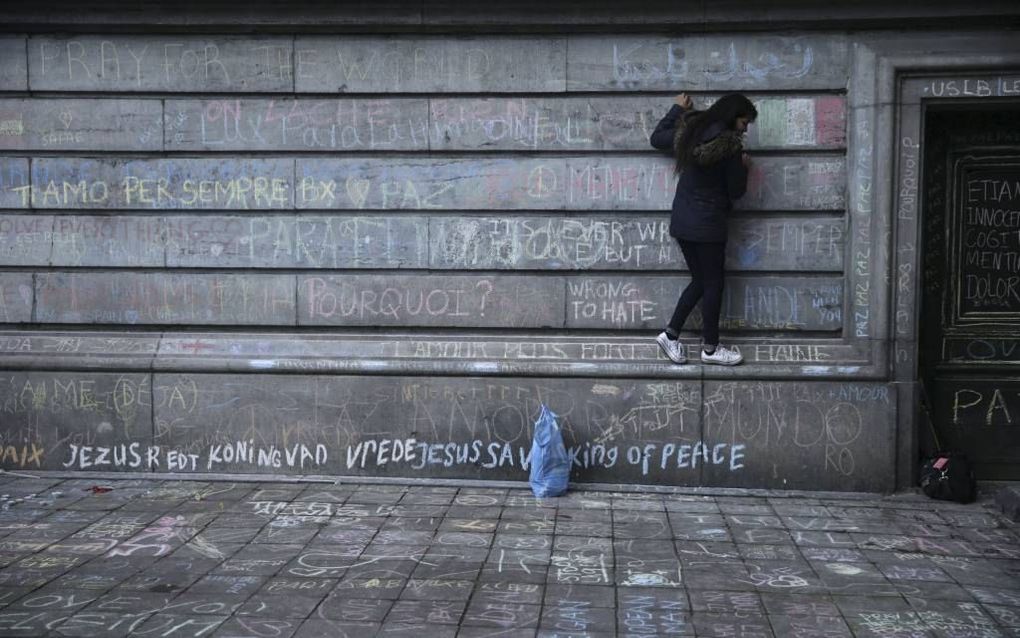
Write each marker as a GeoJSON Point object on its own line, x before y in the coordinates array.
{"type": "Point", "coordinates": [673, 349]}
{"type": "Point", "coordinates": [722, 356]}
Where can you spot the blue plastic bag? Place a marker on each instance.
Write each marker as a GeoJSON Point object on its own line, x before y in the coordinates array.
{"type": "Point", "coordinates": [550, 465]}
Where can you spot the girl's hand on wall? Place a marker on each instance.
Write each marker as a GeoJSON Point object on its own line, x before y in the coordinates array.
{"type": "Point", "coordinates": [684, 101]}
{"type": "Point", "coordinates": [746, 159]}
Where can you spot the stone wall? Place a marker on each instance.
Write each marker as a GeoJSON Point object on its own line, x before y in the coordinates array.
{"type": "Point", "coordinates": [378, 255]}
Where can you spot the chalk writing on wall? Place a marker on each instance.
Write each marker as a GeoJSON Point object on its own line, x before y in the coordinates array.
{"type": "Point", "coordinates": [155, 63]}
{"type": "Point", "coordinates": [698, 63]}
{"type": "Point", "coordinates": [988, 237]}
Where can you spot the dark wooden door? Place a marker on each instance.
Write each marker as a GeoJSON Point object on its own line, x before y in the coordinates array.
{"type": "Point", "coordinates": [970, 323]}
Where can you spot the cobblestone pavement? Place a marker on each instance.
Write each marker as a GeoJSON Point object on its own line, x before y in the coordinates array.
{"type": "Point", "coordinates": [188, 559]}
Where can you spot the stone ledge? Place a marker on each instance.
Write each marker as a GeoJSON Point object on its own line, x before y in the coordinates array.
{"type": "Point", "coordinates": [457, 355]}
{"type": "Point", "coordinates": [401, 15]}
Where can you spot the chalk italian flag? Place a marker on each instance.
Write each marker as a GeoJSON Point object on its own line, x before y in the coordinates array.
{"type": "Point", "coordinates": [786, 122]}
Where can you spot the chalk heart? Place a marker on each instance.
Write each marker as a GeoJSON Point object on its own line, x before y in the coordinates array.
{"type": "Point", "coordinates": [357, 191]}
{"type": "Point", "coordinates": [66, 117]}
{"type": "Point", "coordinates": [216, 249]}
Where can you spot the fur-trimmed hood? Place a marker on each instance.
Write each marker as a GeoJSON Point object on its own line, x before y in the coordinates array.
{"type": "Point", "coordinates": [716, 144]}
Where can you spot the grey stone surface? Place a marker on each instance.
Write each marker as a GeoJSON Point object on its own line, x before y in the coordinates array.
{"type": "Point", "coordinates": [26, 240]}
{"type": "Point", "coordinates": [545, 171]}
{"type": "Point", "coordinates": [460, 427]}
{"type": "Point", "coordinates": [93, 124]}
{"type": "Point", "coordinates": [572, 183]}
{"type": "Point", "coordinates": [14, 183]}
{"type": "Point", "coordinates": [14, 66]}
{"type": "Point", "coordinates": [506, 301]}
{"type": "Point", "coordinates": [405, 241]}
{"type": "Point", "coordinates": [280, 347]}
{"type": "Point", "coordinates": [90, 420]}
{"type": "Point", "coordinates": [304, 241]}
{"type": "Point", "coordinates": [213, 241]}
{"type": "Point", "coordinates": [315, 352]}
{"type": "Point", "coordinates": [160, 63]}
{"type": "Point", "coordinates": [395, 124]}
{"type": "Point", "coordinates": [419, 184]}
{"type": "Point", "coordinates": [838, 434]}
{"type": "Point", "coordinates": [164, 298]}
{"type": "Point", "coordinates": [633, 243]}
{"type": "Point", "coordinates": [706, 62]}
{"type": "Point", "coordinates": [42, 350]}
{"type": "Point", "coordinates": [98, 241]}
{"type": "Point", "coordinates": [373, 64]}
{"type": "Point", "coordinates": [617, 123]}
{"type": "Point", "coordinates": [749, 303]}
{"type": "Point", "coordinates": [15, 297]}
{"type": "Point", "coordinates": [208, 183]}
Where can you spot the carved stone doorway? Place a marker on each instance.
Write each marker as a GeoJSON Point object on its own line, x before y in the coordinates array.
{"type": "Point", "coordinates": [969, 342]}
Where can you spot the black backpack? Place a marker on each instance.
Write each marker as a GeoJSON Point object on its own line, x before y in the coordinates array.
{"type": "Point", "coordinates": [948, 476]}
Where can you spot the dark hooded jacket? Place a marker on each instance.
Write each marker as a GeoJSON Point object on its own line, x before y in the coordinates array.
{"type": "Point", "coordinates": [706, 190]}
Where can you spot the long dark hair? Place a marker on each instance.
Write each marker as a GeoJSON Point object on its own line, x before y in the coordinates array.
{"type": "Point", "coordinates": [726, 110]}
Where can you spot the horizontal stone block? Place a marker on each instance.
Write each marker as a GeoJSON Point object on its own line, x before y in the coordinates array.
{"type": "Point", "coordinates": [323, 352]}
{"type": "Point", "coordinates": [749, 303]}
{"type": "Point", "coordinates": [209, 184]}
{"type": "Point", "coordinates": [406, 241]}
{"type": "Point", "coordinates": [421, 427]}
{"type": "Point", "coordinates": [26, 240]}
{"type": "Point", "coordinates": [14, 182]}
{"type": "Point", "coordinates": [73, 240]}
{"type": "Point", "coordinates": [468, 124]}
{"type": "Point", "coordinates": [795, 184]}
{"type": "Point", "coordinates": [307, 124]}
{"type": "Point", "coordinates": [42, 124]}
{"type": "Point", "coordinates": [160, 63]}
{"type": "Point", "coordinates": [213, 241]}
{"type": "Point", "coordinates": [503, 301]}
{"type": "Point", "coordinates": [306, 241]}
{"type": "Point", "coordinates": [618, 123]}
{"type": "Point", "coordinates": [805, 435]}
{"type": "Point", "coordinates": [165, 298]}
{"type": "Point", "coordinates": [13, 65]}
{"type": "Point", "coordinates": [708, 62]}
{"type": "Point", "coordinates": [402, 64]}
{"type": "Point", "coordinates": [799, 122]}
{"type": "Point", "coordinates": [572, 183]}
{"type": "Point", "coordinates": [39, 344]}
{"type": "Point", "coordinates": [107, 241]}
{"type": "Point", "coordinates": [423, 184]}
{"type": "Point", "coordinates": [802, 244]}
{"type": "Point", "coordinates": [16, 297]}
{"type": "Point", "coordinates": [632, 243]}
{"type": "Point", "coordinates": [74, 421]}
{"type": "Point", "coordinates": [822, 436]}
{"type": "Point", "coordinates": [459, 353]}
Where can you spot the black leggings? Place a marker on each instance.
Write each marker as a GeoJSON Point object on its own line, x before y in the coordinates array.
{"type": "Point", "coordinates": [705, 261]}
